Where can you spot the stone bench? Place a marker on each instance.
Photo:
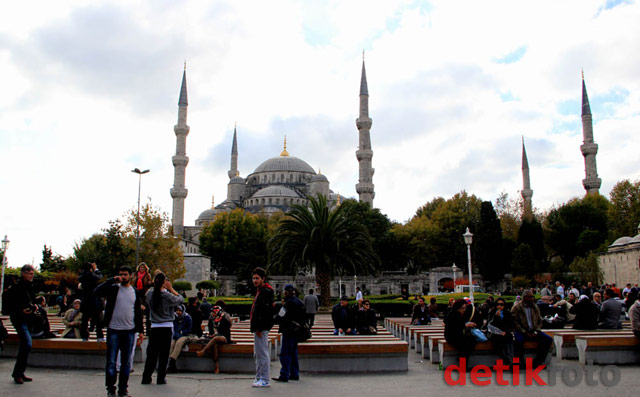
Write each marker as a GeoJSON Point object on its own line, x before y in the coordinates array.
{"type": "Point", "coordinates": [483, 354]}
{"type": "Point", "coordinates": [608, 349]}
{"type": "Point", "coordinates": [354, 356]}
{"type": "Point", "coordinates": [565, 341]}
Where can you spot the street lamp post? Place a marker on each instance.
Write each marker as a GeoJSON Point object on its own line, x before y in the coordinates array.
{"type": "Point", "coordinates": [5, 246]}
{"type": "Point", "coordinates": [468, 239]}
{"type": "Point", "coordinates": [454, 268]}
{"type": "Point", "coordinates": [140, 173]}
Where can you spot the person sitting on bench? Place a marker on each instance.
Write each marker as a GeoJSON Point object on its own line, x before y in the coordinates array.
{"type": "Point", "coordinates": [420, 314]}
{"type": "Point", "coordinates": [610, 311]}
{"type": "Point", "coordinates": [455, 325]}
{"type": "Point", "coordinates": [586, 313]}
{"type": "Point", "coordinates": [528, 326]}
{"type": "Point", "coordinates": [366, 323]}
{"type": "Point", "coordinates": [220, 332]}
{"type": "Point", "coordinates": [342, 317]}
{"type": "Point", "coordinates": [41, 326]}
{"type": "Point", "coordinates": [182, 335]}
{"type": "Point", "coordinates": [73, 320]}
{"type": "Point", "coordinates": [500, 327]}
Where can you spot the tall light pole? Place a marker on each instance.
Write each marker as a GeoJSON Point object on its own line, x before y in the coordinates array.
{"type": "Point", "coordinates": [5, 246]}
{"type": "Point", "coordinates": [468, 239]}
{"type": "Point", "coordinates": [140, 173]}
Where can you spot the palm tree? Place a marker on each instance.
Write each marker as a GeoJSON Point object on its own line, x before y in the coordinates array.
{"type": "Point", "coordinates": [324, 239]}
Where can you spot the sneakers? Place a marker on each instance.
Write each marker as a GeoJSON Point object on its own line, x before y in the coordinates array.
{"type": "Point", "coordinates": [261, 383]}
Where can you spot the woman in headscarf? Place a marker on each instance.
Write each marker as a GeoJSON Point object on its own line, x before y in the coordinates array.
{"type": "Point", "coordinates": [72, 319]}
{"type": "Point", "coordinates": [162, 300]}
{"type": "Point", "coordinates": [220, 332]}
{"type": "Point", "coordinates": [586, 313]}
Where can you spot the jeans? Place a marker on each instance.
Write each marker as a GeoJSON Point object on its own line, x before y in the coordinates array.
{"type": "Point", "coordinates": [311, 318]}
{"type": "Point", "coordinates": [158, 352]}
{"type": "Point", "coordinates": [24, 333]}
{"type": "Point", "coordinates": [289, 358]}
{"type": "Point", "coordinates": [118, 341]}
{"type": "Point", "coordinates": [337, 332]}
{"type": "Point", "coordinates": [93, 314]}
{"type": "Point", "coordinates": [261, 354]}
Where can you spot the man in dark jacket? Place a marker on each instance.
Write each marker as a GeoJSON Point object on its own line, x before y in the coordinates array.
{"type": "Point", "coordinates": [343, 319]}
{"type": "Point", "coordinates": [291, 315]}
{"type": "Point", "coordinates": [420, 314]}
{"type": "Point", "coordinates": [41, 326]}
{"type": "Point", "coordinates": [21, 314]}
{"type": "Point", "coordinates": [261, 320]}
{"type": "Point", "coordinates": [91, 307]}
{"type": "Point", "coordinates": [123, 317]}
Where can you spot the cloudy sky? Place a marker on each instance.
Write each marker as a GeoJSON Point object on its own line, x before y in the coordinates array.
{"type": "Point", "coordinates": [89, 91]}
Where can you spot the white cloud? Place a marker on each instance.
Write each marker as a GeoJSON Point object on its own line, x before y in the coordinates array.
{"type": "Point", "coordinates": [90, 91]}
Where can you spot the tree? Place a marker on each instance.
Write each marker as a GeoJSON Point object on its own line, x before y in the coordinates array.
{"type": "Point", "coordinates": [321, 239]}
{"type": "Point", "coordinates": [510, 213]}
{"type": "Point", "coordinates": [379, 227]}
{"type": "Point", "coordinates": [236, 241]}
{"type": "Point", "coordinates": [52, 262]}
{"type": "Point", "coordinates": [159, 249]}
{"type": "Point", "coordinates": [578, 227]}
{"type": "Point", "coordinates": [587, 269]}
{"type": "Point", "coordinates": [624, 212]}
{"type": "Point", "coordinates": [107, 249]}
{"type": "Point", "coordinates": [531, 233]}
{"type": "Point", "coordinates": [488, 244]}
{"type": "Point", "coordinates": [524, 263]}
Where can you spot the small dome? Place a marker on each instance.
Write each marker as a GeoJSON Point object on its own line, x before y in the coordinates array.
{"type": "Point", "coordinates": [621, 241]}
{"type": "Point", "coordinates": [636, 239]}
{"type": "Point", "coordinates": [275, 191]}
{"type": "Point", "coordinates": [207, 215]}
{"type": "Point", "coordinates": [319, 178]}
{"type": "Point", "coordinates": [285, 163]}
{"type": "Point", "coordinates": [237, 180]}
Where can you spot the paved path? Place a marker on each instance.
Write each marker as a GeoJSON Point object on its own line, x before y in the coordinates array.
{"type": "Point", "coordinates": [422, 379]}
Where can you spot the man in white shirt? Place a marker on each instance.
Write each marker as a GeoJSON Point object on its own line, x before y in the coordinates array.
{"type": "Point", "coordinates": [358, 294]}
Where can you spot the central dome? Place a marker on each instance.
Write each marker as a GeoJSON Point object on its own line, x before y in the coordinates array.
{"type": "Point", "coordinates": [285, 163]}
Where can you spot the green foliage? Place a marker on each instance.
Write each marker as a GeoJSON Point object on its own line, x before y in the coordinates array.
{"type": "Point", "coordinates": [488, 245]}
{"type": "Point", "coordinates": [434, 236]}
{"type": "Point", "coordinates": [326, 240]}
{"type": "Point", "coordinates": [208, 284]}
{"type": "Point", "coordinates": [578, 227]}
{"type": "Point", "coordinates": [236, 242]}
{"type": "Point", "coordinates": [624, 212]}
{"type": "Point", "coordinates": [52, 262]}
{"type": "Point", "coordinates": [521, 282]}
{"type": "Point", "coordinates": [181, 286]}
{"type": "Point", "coordinates": [159, 249]}
{"type": "Point", "coordinates": [587, 269]}
{"type": "Point", "coordinates": [524, 263]}
{"type": "Point", "coordinates": [510, 213]}
{"type": "Point", "coordinates": [531, 233]}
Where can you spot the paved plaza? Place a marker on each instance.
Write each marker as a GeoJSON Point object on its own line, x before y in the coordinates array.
{"type": "Point", "coordinates": [422, 379]}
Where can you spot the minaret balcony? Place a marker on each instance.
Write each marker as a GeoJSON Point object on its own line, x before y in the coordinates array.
{"type": "Point", "coordinates": [180, 161]}
{"type": "Point", "coordinates": [364, 123]}
{"type": "Point", "coordinates": [589, 149]}
{"type": "Point", "coordinates": [592, 183]}
{"type": "Point", "coordinates": [181, 129]}
{"type": "Point", "coordinates": [364, 187]}
{"type": "Point", "coordinates": [364, 154]}
{"type": "Point", "coordinates": [179, 192]}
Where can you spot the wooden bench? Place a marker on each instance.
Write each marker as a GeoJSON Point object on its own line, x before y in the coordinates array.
{"type": "Point", "coordinates": [565, 340]}
{"type": "Point", "coordinates": [354, 356]}
{"type": "Point", "coordinates": [608, 349]}
{"type": "Point", "coordinates": [483, 353]}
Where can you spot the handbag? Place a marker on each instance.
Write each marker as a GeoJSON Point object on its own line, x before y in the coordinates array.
{"type": "Point", "coordinates": [476, 333]}
{"type": "Point", "coordinates": [302, 332]}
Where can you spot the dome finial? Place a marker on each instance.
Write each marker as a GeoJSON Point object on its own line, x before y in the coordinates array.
{"type": "Point", "coordinates": [284, 151]}
{"type": "Point", "coordinates": [338, 200]}
{"type": "Point", "coordinates": [213, 202]}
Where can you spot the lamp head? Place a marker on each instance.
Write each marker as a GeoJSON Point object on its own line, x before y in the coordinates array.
{"type": "Point", "coordinates": [468, 237]}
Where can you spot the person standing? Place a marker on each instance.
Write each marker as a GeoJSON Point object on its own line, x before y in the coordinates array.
{"type": "Point", "coordinates": [123, 317]}
{"type": "Point", "coordinates": [358, 294]}
{"type": "Point", "coordinates": [162, 300]}
{"type": "Point", "coordinates": [21, 314]}
{"type": "Point", "coordinates": [311, 305]}
{"type": "Point", "coordinates": [261, 320]}
{"type": "Point", "coordinates": [91, 307]}
{"type": "Point", "coordinates": [290, 316]}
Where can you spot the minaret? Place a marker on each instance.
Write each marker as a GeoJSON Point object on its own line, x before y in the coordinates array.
{"type": "Point", "coordinates": [180, 160]}
{"type": "Point", "coordinates": [233, 168]}
{"type": "Point", "coordinates": [526, 192]}
{"type": "Point", "coordinates": [364, 187]}
{"type": "Point", "coordinates": [589, 149]}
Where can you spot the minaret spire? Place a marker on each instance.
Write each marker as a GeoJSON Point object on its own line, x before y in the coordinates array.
{"type": "Point", "coordinates": [233, 168]}
{"type": "Point", "coordinates": [589, 148]}
{"type": "Point", "coordinates": [180, 160]}
{"type": "Point", "coordinates": [364, 154]}
{"type": "Point", "coordinates": [526, 192]}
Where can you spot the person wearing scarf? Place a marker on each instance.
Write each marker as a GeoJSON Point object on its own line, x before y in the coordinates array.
{"type": "Point", "coordinates": [72, 319]}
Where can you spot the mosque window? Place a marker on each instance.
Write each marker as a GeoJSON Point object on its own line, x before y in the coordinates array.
{"type": "Point", "coordinates": [269, 201]}
{"type": "Point", "coordinates": [281, 177]}
{"type": "Point", "coordinates": [277, 201]}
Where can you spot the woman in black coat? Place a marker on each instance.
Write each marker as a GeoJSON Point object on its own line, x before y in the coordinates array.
{"type": "Point", "coordinates": [586, 314]}
{"type": "Point", "coordinates": [500, 326]}
{"type": "Point", "coordinates": [455, 324]}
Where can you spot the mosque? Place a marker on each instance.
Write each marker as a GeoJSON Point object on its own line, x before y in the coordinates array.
{"type": "Point", "coordinates": [282, 181]}
{"type": "Point", "coordinates": [275, 185]}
